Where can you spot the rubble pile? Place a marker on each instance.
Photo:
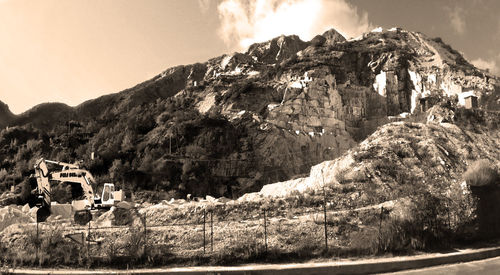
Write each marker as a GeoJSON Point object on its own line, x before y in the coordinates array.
{"type": "Point", "coordinates": [122, 214]}
{"type": "Point", "coordinates": [8, 198]}
{"type": "Point", "coordinates": [180, 211]}
{"type": "Point", "coordinates": [14, 214]}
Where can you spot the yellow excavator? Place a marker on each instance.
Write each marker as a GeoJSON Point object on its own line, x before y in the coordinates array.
{"type": "Point", "coordinates": [81, 180]}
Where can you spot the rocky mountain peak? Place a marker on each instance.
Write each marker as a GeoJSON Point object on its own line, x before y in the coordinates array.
{"type": "Point", "coordinates": [332, 37]}
{"type": "Point", "coordinates": [277, 49]}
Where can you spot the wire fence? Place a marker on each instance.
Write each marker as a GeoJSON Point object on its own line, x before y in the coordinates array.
{"type": "Point", "coordinates": [291, 228]}
{"type": "Point", "coordinates": [211, 235]}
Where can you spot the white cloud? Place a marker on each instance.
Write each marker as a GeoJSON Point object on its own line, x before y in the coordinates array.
{"type": "Point", "coordinates": [203, 4]}
{"type": "Point", "coordinates": [457, 19]}
{"type": "Point", "coordinates": [483, 64]}
{"type": "Point", "coordinates": [244, 22]}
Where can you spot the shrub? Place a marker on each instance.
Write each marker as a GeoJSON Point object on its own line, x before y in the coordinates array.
{"type": "Point", "coordinates": [364, 241]}
{"type": "Point", "coordinates": [242, 249]}
{"type": "Point", "coordinates": [340, 176]}
{"type": "Point", "coordinates": [111, 252]}
{"type": "Point", "coordinates": [56, 250]}
{"type": "Point", "coordinates": [308, 245]}
{"type": "Point", "coordinates": [427, 228]}
{"type": "Point", "coordinates": [481, 173]}
{"type": "Point", "coordinates": [134, 243]}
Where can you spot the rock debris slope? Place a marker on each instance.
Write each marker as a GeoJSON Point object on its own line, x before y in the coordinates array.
{"type": "Point", "coordinates": [401, 157]}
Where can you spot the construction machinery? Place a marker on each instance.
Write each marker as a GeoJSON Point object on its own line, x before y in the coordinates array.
{"type": "Point", "coordinates": [81, 182]}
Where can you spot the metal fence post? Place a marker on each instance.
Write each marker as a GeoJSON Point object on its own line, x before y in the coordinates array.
{"type": "Point", "coordinates": [380, 228]}
{"type": "Point", "coordinates": [212, 230]}
{"type": "Point", "coordinates": [265, 229]}
{"type": "Point", "coordinates": [82, 244]}
{"type": "Point", "coordinates": [88, 242]}
{"type": "Point", "coordinates": [204, 233]}
{"type": "Point", "coordinates": [37, 240]}
{"type": "Point", "coordinates": [145, 233]}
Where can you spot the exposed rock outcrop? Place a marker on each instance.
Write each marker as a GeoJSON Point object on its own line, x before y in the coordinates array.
{"type": "Point", "coordinates": [333, 37]}
{"type": "Point", "coordinates": [277, 49]}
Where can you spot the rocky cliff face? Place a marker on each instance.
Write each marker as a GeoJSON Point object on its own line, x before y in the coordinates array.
{"type": "Point", "coordinates": [286, 104]}
{"type": "Point", "coordinates": [402, 155]}
{"type": "Point", "coordinates": [319, 98]}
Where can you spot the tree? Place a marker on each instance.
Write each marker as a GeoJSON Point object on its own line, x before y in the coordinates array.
{"type": "Point", "coordinates": [128, 142]}
{"type": "Point", "coordinates": [118, 171]}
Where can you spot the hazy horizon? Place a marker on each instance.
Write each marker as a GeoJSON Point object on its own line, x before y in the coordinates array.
{"type": "Point", "coordinates": [76, 50]}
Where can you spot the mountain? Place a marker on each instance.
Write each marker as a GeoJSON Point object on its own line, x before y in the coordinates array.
{"type": "Point", "coordinates": [45, 116]}
{"type": "Point", "coordinates": [6, 116]}
{"type": "Point", "coordinates": [239, 121]}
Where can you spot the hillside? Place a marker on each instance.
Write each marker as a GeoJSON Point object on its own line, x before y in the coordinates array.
{"type": "Point", "coordinates": [240, 121]}
{"type": "Point", "coordinates": [6, 116]}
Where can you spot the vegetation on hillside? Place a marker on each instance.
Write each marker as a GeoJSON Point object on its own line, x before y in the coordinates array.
{"type": "Point", "coordinates": [150, 147]}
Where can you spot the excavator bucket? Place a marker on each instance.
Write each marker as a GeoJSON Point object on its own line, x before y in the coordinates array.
{"type": "Point", "coordinates": [82, 217]}
{"type": "Point", "coordinates": [42, 214]}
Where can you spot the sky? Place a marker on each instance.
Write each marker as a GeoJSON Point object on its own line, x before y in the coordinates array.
{"type": "Point", "coordinates": [74, 50]}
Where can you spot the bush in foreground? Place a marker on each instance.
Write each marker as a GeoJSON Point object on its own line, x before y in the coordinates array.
{"type": "Point", "coordinates": [482, 173]}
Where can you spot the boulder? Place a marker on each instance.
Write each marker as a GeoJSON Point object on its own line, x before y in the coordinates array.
{"type": "Point", "coordinates": [26, 208]}
{"type": "Point", "coordinates": [124, 204]}
{"type": "Point", "coordinates": [223, 200]}
{"type": "Point", "coordinates": [438, 114]}
{"type": "Point", "coordinates": [63, 210]}
{"type": "Point", "coordinates": [210, 198]}
{"type": "Point", "coordinates": [118, 216]}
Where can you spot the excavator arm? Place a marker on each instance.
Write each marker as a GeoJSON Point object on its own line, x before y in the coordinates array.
{"type": "Point", "coordinates": [43, 183]}
{"type": "Point", "coordinates": [81, 177]}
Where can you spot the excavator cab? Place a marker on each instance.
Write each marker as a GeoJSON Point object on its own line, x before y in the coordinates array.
{"type": "Point", "coordinates": [109, 196]}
